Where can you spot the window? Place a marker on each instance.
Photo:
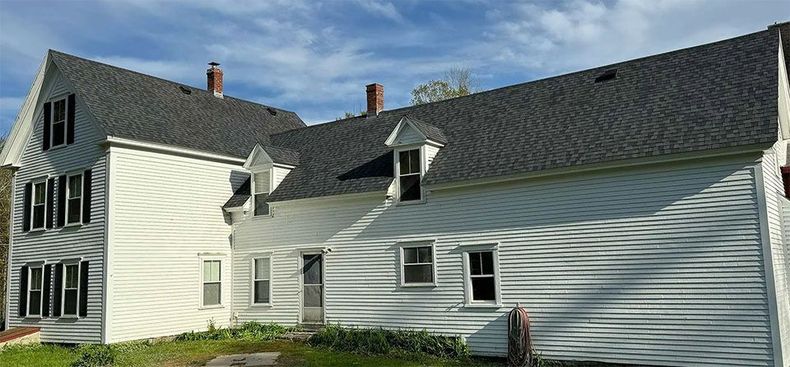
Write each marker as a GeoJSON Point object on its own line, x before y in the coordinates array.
{"type": "Point", "coordinates": [481, 277]}
{"type": "Point", "coordinates": [261, 280]}
{"type": "Point", "coordinates": [71, 287]}
{"type": "Point", "coordinates": [74, 199]}
{"type": "Point", "coordinates": [58, 123]}
{"type": "Point", "coordinates": [409, 175]}
{"type": "Point", "coordinates": [39, 205]}
{"type": "Point", "coordinates": [262, 182]}
{"type": "Point", "coordinates": [417, 264]}
{"type": "Point", "coordinates": [212, 283]}
{"type": "Point", "coordinates": [35, 291]}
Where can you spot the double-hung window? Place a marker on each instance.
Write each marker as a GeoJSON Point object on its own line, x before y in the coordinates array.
{"type": "Point", "coordinates": [35, 292]}
{"type": "Point", "coordinates": [417, 265]}
{"type": "Point", "coordinates": [261, 281]}
{"type": "Point", "coordinates": [212, 283]}
{"type": "Point", "coordinates": [74, 199]}
{"type": "Point", "coordinates": [38, 205]}
{"type": "Point", "coordinates": [481, 277]}
{"type": "Point", "coordinates": [58, 123]}
{"type": "Point", "coordinates": [262, 181]}
{"type": "Point", "coordinates": [71, 289]}
{"type": "Point", "coordinates": [409, 175]}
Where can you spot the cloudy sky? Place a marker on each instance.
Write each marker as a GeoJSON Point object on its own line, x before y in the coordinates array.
{"type": "Point", "coordinates": [316, 57]}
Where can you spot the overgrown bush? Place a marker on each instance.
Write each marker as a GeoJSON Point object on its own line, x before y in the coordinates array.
{"type": "Point", "coordinates": [383, 341]}
{"type": "Point", "coordinates": [247, 331]}
{"type": "Point", "coordinates": [94, 355]}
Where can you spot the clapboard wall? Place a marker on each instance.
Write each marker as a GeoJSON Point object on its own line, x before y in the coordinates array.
{"type": "Point", "coordinates": [85, 241]}
{"type": "Point", "coordinates": [654, 265]}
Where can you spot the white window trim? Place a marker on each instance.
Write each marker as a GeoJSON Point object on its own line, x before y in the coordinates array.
{"type": "Point", "coordinates": [204, 258]}
{"type": "Point", "coordinates": [405, 245]}
{"type": "Point", "coordinates": [423, 162]}
{"type": "Point", "coordinates": [253, 279]}
{"type": "Point", "coordinates": [29, 288]}
{"type": "Point", "coordinates": [270, 169]}
{"type": "Point", "coordinates": [63, 313]}
{"type": "Point", "coordinates": [468, 301]}
{"type": "Point", "coordinates": [33, 183]}
{"type": "Point", "coordinates": [82, 197]}
{"type": "Point", "coordinates": [51, 121]}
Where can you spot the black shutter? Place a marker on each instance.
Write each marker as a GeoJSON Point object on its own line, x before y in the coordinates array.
{"type": "Point", "coordinates": [23, 292]}
{"type": "Point", "coordinates": [46, 290]}
{"type": "Point", "coordinates": [83, 289]}
{"type": "Point", "coordinates": [26, 209]}
{"type": "Point", "coordinates": [70, 120]}
{"type": "Point", "coordinates": [61, 201]}
{"type": "Point", "coordinates": [57, 299]}
{"type": "Point", "coordinates": [50, 201]}
{"type": "Point", "coordinates": [86, 197]}
{"type": "Point", "coordinates": [47, 115]}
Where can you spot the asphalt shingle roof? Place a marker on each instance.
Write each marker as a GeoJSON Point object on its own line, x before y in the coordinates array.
{"type": "Point", "coordinates": [131, 105]}
{"type": "Point", "coordinates": [718, 95]}
{"type": "Point", "coordinates": [239, 197]}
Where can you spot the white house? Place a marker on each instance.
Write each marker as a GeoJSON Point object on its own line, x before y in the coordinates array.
{"type": "Point", "coordinates": [637, 210]}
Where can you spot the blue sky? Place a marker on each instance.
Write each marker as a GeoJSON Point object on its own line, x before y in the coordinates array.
{"type": "Point", "coordinates": [315, 57]}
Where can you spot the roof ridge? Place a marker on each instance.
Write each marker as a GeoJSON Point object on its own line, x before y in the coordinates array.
{"type": "Point", "coordinates": [53, 51]}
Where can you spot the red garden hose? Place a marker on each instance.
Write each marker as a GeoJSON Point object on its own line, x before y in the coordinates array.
{"type": "Point", "coordinates": [519, 343]}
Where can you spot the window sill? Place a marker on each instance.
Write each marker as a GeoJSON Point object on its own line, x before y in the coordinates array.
{"type": "Point", "coordinates": [410, 202]}
{"type": "Point", "coordinates": [37, 230]}
{"type": "Point", "coordinates": [78, 224]}
{"type": "Point", "coordinates": [60, 146]}
{"type": "Point", "coordinates": [261, 305]}
{"type": "Point", "coordinates": [32, 318]}
{"type": "Point", "coordinates": [418, 285]}
{"type": "Point", "coordinates": [483, 305]}
{"type": "Point", "coordinates": [212, 307]}
{"type": "Point", "coordinates": [69, 317]}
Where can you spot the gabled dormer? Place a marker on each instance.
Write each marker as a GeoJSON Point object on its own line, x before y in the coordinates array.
{"type": "Point", "coordinates": [268, 166]}
{"type": "Point", "coordinates": [414, 144]}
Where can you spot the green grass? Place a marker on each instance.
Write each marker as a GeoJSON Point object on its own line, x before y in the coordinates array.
{"type": "Point", "coordinates": [198, 352]}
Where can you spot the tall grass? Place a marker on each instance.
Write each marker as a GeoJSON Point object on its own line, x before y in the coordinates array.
{"type": "Point", "coordinates": [247, 331]}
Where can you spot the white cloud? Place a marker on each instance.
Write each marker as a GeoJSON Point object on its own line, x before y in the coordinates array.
{"type": "Point", "coordinates": [381, 8]}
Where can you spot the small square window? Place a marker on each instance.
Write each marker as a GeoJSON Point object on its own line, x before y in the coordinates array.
{"type": "Point", "coordinates": [418, 265]}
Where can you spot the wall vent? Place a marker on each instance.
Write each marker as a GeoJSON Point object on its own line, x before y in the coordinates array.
{"type": "Point", "coordinates": [607, 75]}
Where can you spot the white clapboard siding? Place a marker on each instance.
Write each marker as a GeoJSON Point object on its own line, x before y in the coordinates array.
{"type": "Point", "coordinates": [279, 174]}
{"type": "Point", "coordinates": [656, 265]}
{"type": "Point", "coordinates": [778, 225]}
{"type": "Point", "coordinates": [430, 154]}
{"type": "Point", "coordinates": [86, 241]}
{"type": "Point", "coordinates": [166, 210]}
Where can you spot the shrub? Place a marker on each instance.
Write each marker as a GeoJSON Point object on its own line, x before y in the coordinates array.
{"type": "Point", "coordinates": [247, 331]}
{"type": "Point", "coordinates": [384, 341]}
{"type": "Point", "coordinates": [94, 355]}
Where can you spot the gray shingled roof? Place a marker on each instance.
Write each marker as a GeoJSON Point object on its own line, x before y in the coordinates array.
{"type": "Point", "coordinates": [239, 197]}
{"type": "Point", "coordinates": [431, 132]}
{"type": "Point", "coordinates": [136, 106]}
{"type": "Point", "coordinates": [718, 95]}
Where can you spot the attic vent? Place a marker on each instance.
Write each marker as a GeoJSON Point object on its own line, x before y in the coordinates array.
{"type": "Point", "coordinates": [184, 90]}
{"type": "Point", "coordinates": [272, 111]}
{"type": "Point", "coordinates": [607, 75]}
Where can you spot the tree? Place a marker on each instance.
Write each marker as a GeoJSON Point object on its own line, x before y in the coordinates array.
{"type": "Point", "coordinates": [5, 215]}
{"type": "Point", "coordinates": [456, 82]}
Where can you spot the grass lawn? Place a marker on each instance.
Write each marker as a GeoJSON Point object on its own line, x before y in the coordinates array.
{"type": "Point", "coordinates": [197, 353]}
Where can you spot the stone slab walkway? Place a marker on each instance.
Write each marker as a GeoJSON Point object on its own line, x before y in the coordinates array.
{"type": "Point", "coordinates": [248, 360]}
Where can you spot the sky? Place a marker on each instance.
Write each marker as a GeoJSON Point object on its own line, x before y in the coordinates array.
{"type": "Point", "coordinates": [315, 57]}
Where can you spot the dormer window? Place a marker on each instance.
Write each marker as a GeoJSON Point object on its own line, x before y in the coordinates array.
{"type": "Point", "coordinates": [262, 187]}
{"type": "Point", "coordinates": [409, 175]}
{"type": "Point", "coordinates": [58, 123]}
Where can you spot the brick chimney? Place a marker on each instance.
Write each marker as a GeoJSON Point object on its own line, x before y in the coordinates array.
{"type": "Point", "coordinates": [214, 78]}
{"type": "Point", "coordinates": [375, 99]}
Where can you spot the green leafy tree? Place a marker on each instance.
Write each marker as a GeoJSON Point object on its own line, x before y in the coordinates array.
{"type": "Point", "coordinates": [5, 215]}
{"type": "Point", "coordinates": [456, 82]}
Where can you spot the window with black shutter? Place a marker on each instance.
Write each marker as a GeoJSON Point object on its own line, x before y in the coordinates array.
{"type": "Point", "coordinates": [58, 123]}
{"type": "Point", "coordinates": [38, 206]}
{"type": "Point", "coordinates": [24, 272]}
{"type": "Point", "coordinates": [74, 189]}
{"type": "Point", "coordinates": [35, 292]}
